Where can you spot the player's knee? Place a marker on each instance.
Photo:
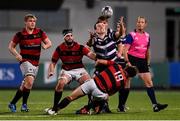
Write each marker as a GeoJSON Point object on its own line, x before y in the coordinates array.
{"type": "Point", "coordinates": [60, 85]}
{"type": "Point", "coordinates": [29, 81]}
{"type": "Point", "coordinates": [28, 84]}
{"type": "Point", "coordinates": [84, 78]}
{"type": "Point", "coordinates": [149, 84]}
{"type": "Point", "coordinates": [70, 98]}
{"type": "Point", "coordinates": [106, 97]}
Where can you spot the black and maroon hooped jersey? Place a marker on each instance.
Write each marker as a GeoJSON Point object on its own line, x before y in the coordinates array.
{"type": "Point", "coordinates": [111, 79]}
{"type": "Point", "coordinates": [30, 45]}
{"type": "Point", "coordinates": [71, 57]}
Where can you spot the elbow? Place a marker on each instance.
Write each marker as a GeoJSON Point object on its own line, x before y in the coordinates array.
{"type": "Point", "coordinates": [10, 48]}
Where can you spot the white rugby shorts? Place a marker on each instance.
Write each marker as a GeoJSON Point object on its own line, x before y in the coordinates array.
{"type": "Point", "coordinates": [90, 87]}
{"type": "Point", "coordinates": [28, 69]}
{"type": "Point", "coordinates": [72, 74]}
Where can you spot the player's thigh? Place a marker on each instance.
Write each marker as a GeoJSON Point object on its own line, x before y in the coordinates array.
{"type": "Point", "coordinates": [80, 74]}
{"type": "Point", "coordinates": [140, 63]}
{"type": "Point", "coordinates": [30, 72]}
{"type": "Point", "coordinates": [90, 87]}
{"type": "Point", "coordinates": [64, 76]}
{"type": "Point", "coordinates": [99, 95]}
{"type": "Point", "coordinates": [28, 69]}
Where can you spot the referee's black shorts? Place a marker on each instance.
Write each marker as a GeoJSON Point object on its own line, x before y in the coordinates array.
{"type": "Point", "coordinates": [140, 63]}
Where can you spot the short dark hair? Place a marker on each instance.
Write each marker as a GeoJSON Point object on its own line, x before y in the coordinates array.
{"type": "Point", "coordinates": [131, 71]}
{"type": "Point", "coordinates": [102, 18]}
{"type": "Point", "coordinates": [66, 31]}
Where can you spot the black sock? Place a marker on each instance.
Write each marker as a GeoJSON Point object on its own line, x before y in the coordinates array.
{"type": "Point", "coordinates": [126, 94]}
{"type": "Point", "coordinates": [17, 96]}
{"type": "Point", "coordinates": [26, 93]}
{"type": "Point", "coordinates": [151, 94]}
{"type": "Point", "coordinates": [123, 95]}
{"type": "Point", "coordinates": [57, 98]}
{"type": "Point", "coordinates": [89, 98]}
{"type": "Point", "coordinates": [63, 103]}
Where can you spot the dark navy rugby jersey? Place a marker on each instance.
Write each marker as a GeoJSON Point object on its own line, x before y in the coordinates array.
{"type": "Point", "coordinates": [106, 48]}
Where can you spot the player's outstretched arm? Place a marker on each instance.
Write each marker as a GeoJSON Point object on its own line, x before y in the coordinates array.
{"type": "Point", "coordinates": [120, 30]}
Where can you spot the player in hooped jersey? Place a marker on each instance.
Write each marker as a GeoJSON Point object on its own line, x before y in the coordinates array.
{"type": "Point", "coordinates": [103, 85]}
{"type": "Point", "coordinates": [107, 45]}
{"type": "Point", "coordinates": [137, 53]}
{"type": "Point", "coordinates": [30, 41]}
{"type": "Point", "coordinates": [70, 53]}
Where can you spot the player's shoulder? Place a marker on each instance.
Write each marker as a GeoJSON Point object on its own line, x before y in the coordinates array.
{"type": "Point", "coordinates": [147, 34]}
{"type": "Point", "coordinates": [38, 29]}
{"type": "Point", "coordinates": [78, 44]}
{"type": "Point", "coordinates": [60, 47]}
{"type": "Point", "coordinates": [62, 44]}
{"type": "Point", "coordinates": [20, 31]}
{"type": "Point", "coordinates": [18, 34]}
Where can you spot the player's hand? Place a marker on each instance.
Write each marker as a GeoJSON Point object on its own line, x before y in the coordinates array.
{"type": "Point", "coordinates": [128, 64]}
{"type": "Point", "coordinates": [120, 22]}
{"type": "Point", "coordinates": [122, 26]}
{"type": "Point", "coordinates": [44, 46]}
{"type": "Point", "coordinates": [19, 57]}
{"type": "Point", "coordinates": [91, 34]}
{"type": "Point", "coordinates": [50, 74]}
{"type": "Point", "coordinates": [101, 62]}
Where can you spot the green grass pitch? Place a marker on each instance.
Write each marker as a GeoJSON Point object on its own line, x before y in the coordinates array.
{"type": "Point", "coordinates": [138, 102]}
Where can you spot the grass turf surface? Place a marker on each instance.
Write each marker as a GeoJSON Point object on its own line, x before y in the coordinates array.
{"type": "Point", "coordinates": [138, 102]}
